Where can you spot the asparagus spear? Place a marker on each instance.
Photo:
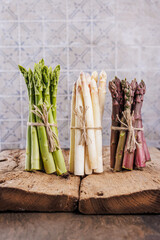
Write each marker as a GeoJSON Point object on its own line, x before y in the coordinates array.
{"type": "Point", "coordinates": [72, 131]}
{"type": "Point", "coordinates": [89, 123]}
{"type": "Point", "coordinates": [47, 157]}
{"type": "Point", "coordinates": [87, 167]}
{"type": "Point", "coordinates": [140, 156]}
{"type": "Point", "coordinates": [122, 136]}
{"type": "Point", "coordinates": [128, 158]}
{"type": "Point", "coordinates": [36, 163]}
{"type": "Point", "coordinates": [102, 92]}
{"type": "Point", "coordinates": [146, 151]}
{"type": "Point", "coordinates": [57, 155]}
{"type": "Point", "coordinates": [28, 142]}
{"type": "Point", "coordinates": [117, 95]}
{"type": "Point", "coordinates": [79, 148]}
{"type": "Point", "coordinates": [94, 76]}
{"type": "Point", "coordinates": [97, 123]}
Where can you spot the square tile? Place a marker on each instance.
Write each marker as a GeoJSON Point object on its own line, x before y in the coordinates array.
{"type": "Point", "coordinates": [9, 34]}
{"type": "Point", "coordinates": [150, 10]}
{"type": "Point", "coordinates": [63, 84]}
{"type": "Point", "coordinates": [10, 108]}
{"type": "Point", "coordinates": [55, 56]}
{"type": "Point", "coordinates": [55, 33]}
{"type": "Point", "coordinates": [54, 10]}
{"type": "Point", "coordinates": [63, 133]}
{"type": "Point", "coordinates": [79, 9]}
{"type": "Point", "coordinates": [31, 34]}
{"type": "Point", "coordinates": [9, 58]}
{"type": "Point", "coordinates": [80, 58]}
{"type": "Point", "coordinates": [103, 57]}
{"type": "Point", "coordinates": [151, 106]}
{"type": "Point", "coordinates": [152, 131]}
{"type": "Point", "coordinates": [104, 33]}
{"type": "Point", "coordinates": [127, 57]}
{"type": "Point", "coordinates": [30, 56]}
{"type": "Point", "coordinates": [62, 107]}
{"type": "Point", "coordinates": [10, 83]}
{"type": "Point", "coordinates": [103, 9]}
{"type": "Point", "coordinates": [8, 10]}
{"type": "Point", "coordinates": [129, 33]}
{"type": "Point", "coordinates": [151, 34]}
{"type": "Point", "coordinates": [79, 33]}
{"type": "Point", "coordinates": [31, 10]}
{"type": "Point", "coordinates": [150, 58]}
{"type": "Point", "coordinates": [128, 10]}
{"type": "Point", "coordinates": [10, 131]}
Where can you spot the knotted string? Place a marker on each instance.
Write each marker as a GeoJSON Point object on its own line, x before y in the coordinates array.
{"type": "Point", "coordinates": [131, 143]}
{"type": "Point", "coordinates": [52, 138]}
{"type": "Point", "coordinates": [81, 115]}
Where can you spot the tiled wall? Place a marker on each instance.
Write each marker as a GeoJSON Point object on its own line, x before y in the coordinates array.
{"type": "Point", "coordinates": [119, 36]}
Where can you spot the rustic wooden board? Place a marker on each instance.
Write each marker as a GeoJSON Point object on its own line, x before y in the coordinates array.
{"type": "Point", "coordinates": [116, 193]}
{"type": "Point", "coordinates": [122, 193]}
{"type": "Point", "coordinates": [36, 191]}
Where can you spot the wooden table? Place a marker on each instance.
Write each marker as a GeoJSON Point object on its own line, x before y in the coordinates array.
{"type": "Point", "coordinates": [72, 226]}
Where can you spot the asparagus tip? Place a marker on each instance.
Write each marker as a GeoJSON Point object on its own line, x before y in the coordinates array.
{"type": "Point", "coordinates": [94, 76]}
{"type": "Point", "coordinates": [103, 75]}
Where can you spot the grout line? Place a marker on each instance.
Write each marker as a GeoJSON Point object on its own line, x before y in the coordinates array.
{"type": "Point", "coordinates": [91, 35]}
{"type": "Point", "coordinates": [43, 33]}
{"type": "Point", "coordinates": [116, 51]}
{"type": "Point", "coordinates": [21, 103]}
{"type": "Point", "coordinates": [77, 45]}
{"type": "Point", "coordinates": [68, 68]}
{"type": "Point", "coordinates": [57, 20]}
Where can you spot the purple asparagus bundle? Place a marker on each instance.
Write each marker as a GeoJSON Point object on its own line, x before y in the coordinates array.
{"type": "Point", "coordinates": [128, 148]}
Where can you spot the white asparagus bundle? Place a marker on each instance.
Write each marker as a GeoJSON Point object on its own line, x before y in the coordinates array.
{"type": "Point", "coordinates": [102, 91]}
{"type": "Point", "coordinates": [89, 123]}
{"type": "Point", "coordinates": [72, 131]}
{"type": "Point", "coordinates": [97, 123]}
{"type": "Point", "coordinates": [79, 149]}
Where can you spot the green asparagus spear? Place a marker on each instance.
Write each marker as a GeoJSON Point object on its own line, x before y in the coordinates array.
{"type": "Point", "coordinates": [58, 156]}
{"type": "Point", "coordinates": [28, 142]}
{"type": "Point", "coordinates": [36, 162]}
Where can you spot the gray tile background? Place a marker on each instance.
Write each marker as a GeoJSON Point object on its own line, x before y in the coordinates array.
{"type": "Point", "coordinates": [119, 36]}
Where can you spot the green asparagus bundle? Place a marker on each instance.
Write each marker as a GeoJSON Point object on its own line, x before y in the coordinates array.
{"type": "Point", "coordinates": [43, 151]}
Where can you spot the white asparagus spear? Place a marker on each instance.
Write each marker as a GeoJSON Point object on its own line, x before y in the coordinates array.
{"type": "Point", "coordinates": [87, 167]}
{"type": "Point", "coordinates": [72, 131]}
{"type": "Point", "coordinates": [97, 123]}
{"type": "Point", "coordinates": [102, 91]}
{"type": "Point", "coordinates": [89, 123]}
{"type": "Point", "coordinates": [94, 76]}
{"type": "Point", "coordinates": [79, 149]}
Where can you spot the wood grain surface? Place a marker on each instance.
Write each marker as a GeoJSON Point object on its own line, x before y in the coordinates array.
{"type": "Point", "coordinates": [115, 193]}
{"type": "Point", "coordinates": [71, 226]}
{"type": "Point", "coordinates": [122, 192]}
{"type": "Point", "coordinates": [34, 191]}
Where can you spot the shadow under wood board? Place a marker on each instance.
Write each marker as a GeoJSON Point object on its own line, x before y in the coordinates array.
{"type": "Point", "coordinates": [108, 193]}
